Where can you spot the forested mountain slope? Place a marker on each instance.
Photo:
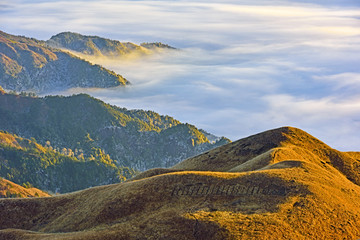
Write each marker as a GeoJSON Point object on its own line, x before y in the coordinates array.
{"type": "Point", "coordinates": [27, 64]}
{"type": "Point", "coordinates": [98, 46]}
{"type": "Point", "coordinates": [133, 138]}
{"type": "Point", "coordinates": [24, 161]}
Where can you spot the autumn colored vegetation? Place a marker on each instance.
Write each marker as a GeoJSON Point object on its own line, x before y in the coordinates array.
{"type": "Point", "coordinates": [280, 184]}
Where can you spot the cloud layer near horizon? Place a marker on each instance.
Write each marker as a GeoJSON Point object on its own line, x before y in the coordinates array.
{"type": "Point", "coordinates": [244, 67]}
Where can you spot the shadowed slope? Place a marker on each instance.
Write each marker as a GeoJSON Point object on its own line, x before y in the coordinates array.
{"type": "Point", "coordinates": [236, 153]}
{"type": "Point", "coordinates": [149, 207]}
{"type": "Point", "coordinates": [299, 190]}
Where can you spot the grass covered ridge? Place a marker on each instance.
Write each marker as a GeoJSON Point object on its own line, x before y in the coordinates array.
{"type": "Point", "coordinates": [298, 188]}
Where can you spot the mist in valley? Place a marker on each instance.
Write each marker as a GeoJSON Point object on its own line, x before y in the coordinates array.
{"type": "Point", "coordinates": [240, 67]}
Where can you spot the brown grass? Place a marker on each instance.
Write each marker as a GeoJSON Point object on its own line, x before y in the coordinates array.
{"type": "Point", "coordinates": [10, 189]}
{"type": "Point", "coordinates": [283, 184]}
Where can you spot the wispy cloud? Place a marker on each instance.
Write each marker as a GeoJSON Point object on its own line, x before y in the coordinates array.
{"type": "Point", "coordinates": [341, 80]}
{"type": "Point", "coordinates": [244, 66]}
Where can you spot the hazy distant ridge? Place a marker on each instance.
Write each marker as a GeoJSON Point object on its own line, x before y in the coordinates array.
{"type": "Point", "coordinates": [98, 46]}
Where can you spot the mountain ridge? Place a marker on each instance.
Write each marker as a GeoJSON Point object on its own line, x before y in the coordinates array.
{"type": "Point", "coordinates": [294, 198]}
{"type": "Point", "coordinates": [99, 46]}
{"type": "Point", "coordinates": [134, 138]}
{"type": "Point", "coordinates": [26, 64]}
{"type": "Point", "coordinates": [274, 144]}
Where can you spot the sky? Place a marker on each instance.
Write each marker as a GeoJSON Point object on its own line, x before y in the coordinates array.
{"type": "Point", "coordinates": [243, 66]}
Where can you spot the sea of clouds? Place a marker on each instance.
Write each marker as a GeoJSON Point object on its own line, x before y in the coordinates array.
{"type": "Point", "coordinates": [243, 66]}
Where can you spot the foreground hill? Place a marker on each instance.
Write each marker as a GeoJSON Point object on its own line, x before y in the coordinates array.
{"type": "Point", "coordinates": [98, 46]}
{"type": "Point", "coordinates": [9, 189]}
{"type": "Point", "coordinates": [26, 162]}
{"type": "Point", "coordinates": [27, 64]}
{"type": "Point", "coordinates": [292, 186]}
{"type": "Point", "coordinates": [133, 138]}
{"type": "Point", "coordinates": [270, 149]}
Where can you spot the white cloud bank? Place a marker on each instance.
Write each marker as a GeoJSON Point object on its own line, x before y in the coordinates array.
{"type": "Point", "coordinates": [245, 66]}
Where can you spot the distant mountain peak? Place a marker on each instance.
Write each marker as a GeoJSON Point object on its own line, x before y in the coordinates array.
{"type": "Point", "coordinates": [99, 46]}
{"type": "Point", "coordinates": [156, 45]}
{"type": "Point", "coordinates": [27, 64]}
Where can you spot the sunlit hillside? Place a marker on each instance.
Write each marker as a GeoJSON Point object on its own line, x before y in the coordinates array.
{"type": "Point", "coordinates": [9, 189]}
{"type": "Point", "coordinates": [27, 64]}
{"type": "Point", "coordinates": [96, 46]}
{"type": "Point", "coordinates": [280, 184]}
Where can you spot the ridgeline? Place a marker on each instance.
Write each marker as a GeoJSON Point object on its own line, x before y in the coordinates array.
{"type": "Point", "coordinates": [280, 184]}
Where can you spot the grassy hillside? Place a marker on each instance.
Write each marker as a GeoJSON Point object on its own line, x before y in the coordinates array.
{"type": "Point", "coordinates": [27, 64]}
{"type": "Point", "coordinates": [133, 138]}
{"type": "Point", "coordinates": [25, 161]}
{"type": "Point", "coordinates": [293, 196]}
{"type": "Point", "coordinates": [9, 189]}
{"type": "Point", "coordinates": [266, 150]}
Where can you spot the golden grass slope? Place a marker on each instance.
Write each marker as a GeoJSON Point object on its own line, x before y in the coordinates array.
{"type": "Point", "coordinates": [281, 184]}
{"type": "Point", "coordinates": [10, 189]}
{"type": "Point", "coordinates": [271, 147]}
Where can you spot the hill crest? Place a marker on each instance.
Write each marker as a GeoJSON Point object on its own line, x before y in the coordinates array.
{"type": "Point", "coordinates": [305, 197]}
{"type": "Point", "coordinates": [266, 149]}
